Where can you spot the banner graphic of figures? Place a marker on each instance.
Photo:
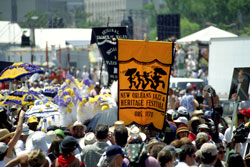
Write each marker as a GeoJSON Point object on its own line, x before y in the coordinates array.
{"type": "Point", "coordinates": [143, 82]}
{"type": "Point", "coordinates": [106, 40]}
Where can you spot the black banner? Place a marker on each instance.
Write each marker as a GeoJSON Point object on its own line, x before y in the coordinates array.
{"type": "Point", "coordinates": [106, 40]}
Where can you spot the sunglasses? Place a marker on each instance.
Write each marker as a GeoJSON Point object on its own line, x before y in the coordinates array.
{"type": "Point", "coordinates": [222, 152]}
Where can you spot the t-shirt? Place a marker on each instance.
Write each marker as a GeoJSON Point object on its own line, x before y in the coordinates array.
{"type": "Point", "coordinates": [2, 164]}
{"type": "Point", "coordinates": [187, 102]}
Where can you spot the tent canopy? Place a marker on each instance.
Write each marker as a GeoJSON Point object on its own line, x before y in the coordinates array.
{"type": "Point", "coordinates": [206, 34]}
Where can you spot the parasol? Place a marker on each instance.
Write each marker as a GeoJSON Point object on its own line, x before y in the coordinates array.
{"type": "Point", "coordinates": [21, 97]}
{"type": "Point", "coordinates": [18, 70]}
{"type": "Point", "coordinates": [42, 109]}
{"type": "Point", "coordinates": [107, 117]}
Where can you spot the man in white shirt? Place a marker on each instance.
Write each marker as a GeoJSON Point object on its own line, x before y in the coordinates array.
{"type": "Point", "coordinates": [187, 156]}
{"type": "Point", "coordinates": [20, 145]}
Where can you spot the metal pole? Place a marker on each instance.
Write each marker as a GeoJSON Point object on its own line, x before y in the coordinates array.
{"type": "Point", "coordinates": [47, 55]}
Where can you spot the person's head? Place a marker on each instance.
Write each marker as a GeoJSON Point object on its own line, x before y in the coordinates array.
{"type": "Point", "coordinates": [165, 158]}
{"type": "Point", "coordinates": [155, 150]}
{"type": "Point", "coordinates": [235, 160]}
{"type": "Point", "coordinates": [187, 154]}
{"type": "Point", "coordinates": [240, 75]}
{"type": "Point", "coordinates": [36, 158]}
{"type": "Point", "coordinates": [55, 147]}
{"type": "Point", "coordinates": [68, 145]}
{"type": "Point", "coordinates": [113, 157]}
{"type": "Point", "coordinates": [186, 140]}
{"type": "Point", "coordinates": [208, 153]}
{"type": "Point", "coordinates": [5, 135]}
{"type": "Point", "coordinates": [182, 132]}
{"type": "Point", "coordinates": [32, 123]}
{"type": "Point", "coordinates": [121, 135]}
{"type": "Point", "coordinates": [203, 128]}
{"type": "Point", "coordinates": [59, 134]}
{"type": "Point", "coordinates": [189, 90]}
{"type": "Point", "coordinates": [176, 143]}
{"type": "Point", "coordinates": [78, 129]}
{"type": "Point", "coordinates": [194, 123]}
{"type": "Point", "coordinates": [101, 132]}
{"type": "Point", "coordinates": [153, 132]}
{"type": "Point", "coordinates": [3, 150]}
{"type": "Point", "coordinates": [221, 151]}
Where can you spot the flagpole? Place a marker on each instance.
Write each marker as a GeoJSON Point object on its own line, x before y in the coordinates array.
{"type": "Point", "coordinates": [47, 55]}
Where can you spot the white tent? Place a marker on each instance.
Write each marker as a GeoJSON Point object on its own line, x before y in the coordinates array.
{"type": "Point", "coordinates": [206, 34]}
{"type": "Point", "coordinates": [59, 36]}
{"type": "Point", "coordinates": [10, 33]}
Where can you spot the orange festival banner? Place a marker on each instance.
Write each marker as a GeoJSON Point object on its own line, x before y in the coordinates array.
{"type": "Point", "coordinates": [144, 72]}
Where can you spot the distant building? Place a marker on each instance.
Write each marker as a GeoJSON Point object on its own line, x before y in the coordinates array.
{"type": "Point", "coordinates": [118, 10]}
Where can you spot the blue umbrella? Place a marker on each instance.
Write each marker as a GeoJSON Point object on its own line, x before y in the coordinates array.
{"type": "Point", "coordinates": [107, 117]}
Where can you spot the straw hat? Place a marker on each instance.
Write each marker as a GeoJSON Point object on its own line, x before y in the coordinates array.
{"type": "Point", "coordinates": [195, 118]}
{"type": "Point", "coordinates": [154, 142]}
{"type": "Point", "coordinates": [135, 131]}
{"type": "Point", "coordinates": [4, 133]}
{"type": "Point", "coordinates": [197, 113]}
{"type": "Point", "coordinates": [182, 129]}
{"type": "Point", "coordinates": [88, 139]}
{"type": "Point", "coordinates": [118, 123]}
{"type": "Point", "coordinates": [26, 130]}
{"type": "Point", "coordinates": [52, 135]}
{"type": "Point", "coordinates": [78, 123]}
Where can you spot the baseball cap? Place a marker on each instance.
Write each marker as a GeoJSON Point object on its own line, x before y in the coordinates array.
{"type": "Point", "coordinates": [181, 120]}
{"type": "Point", "coordinates": [182, 110]}
{"type": "Point", "coordinates": [170, 112]}
{"type": "Point", "coordinates": [114, 150]}
{"type": "Point", "coordinates": [208, 148]}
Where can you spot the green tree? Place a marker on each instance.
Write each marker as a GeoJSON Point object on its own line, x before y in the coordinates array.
{"type": "Point", "coordinates": [81, 19]}
{"type": "Point", "coordinates": [41, 20]}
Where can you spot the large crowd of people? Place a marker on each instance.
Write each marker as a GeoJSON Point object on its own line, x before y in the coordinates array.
{"type": "Point", "coordinates": [193, 134]}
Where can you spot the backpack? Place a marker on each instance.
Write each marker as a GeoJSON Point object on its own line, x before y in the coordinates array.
{"type": "Point", "coordinates": [133, 153]}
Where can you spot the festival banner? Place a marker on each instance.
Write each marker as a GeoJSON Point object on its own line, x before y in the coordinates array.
{"type": "Point", "coordinates": [144, 71]}
{"type": "Point", "coordinates": [106, 40]}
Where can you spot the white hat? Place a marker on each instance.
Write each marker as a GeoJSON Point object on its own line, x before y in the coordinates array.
{"type": "Point", "coordinates": [52, 135]}
{"type": "Point", "coordinates": [88, 139]}
{"type": "Point", "coordinates": [78, 123]}
{"type": "Point", "coordinates": [3, 147]}
{"type": "Point", "coordinates": [203, 126]}
{"type": "Point", "coordinates": [208, 148]}
{"type": "Point", "coordinates": [38, 140]}
{"type": "Point", "coordinates": [181, 120]}
{"type": "Point", "coordinates": [26, 131]}
{"type": "Point", "coordinates": [182, 110]}
{"type": "Point", "coordinates": [135, 131]}
{"type": "Point", "coordinates": [170, 112]}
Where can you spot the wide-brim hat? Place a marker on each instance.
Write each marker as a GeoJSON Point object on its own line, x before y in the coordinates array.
{"type": "Point", "coordinates": [4, 133]}
{"type": "Point", "coordinates": [182, 129]}
{"type": "Point", "coordinates": [78, 123]}
{"type": "Point", "coordinates": [68, 144]}
{"type": "Point", "coordinates": [135, 131]}
{"type": "Point", "coordinates": [117, 123]}
{"type": "Point", "coordinates": [194, 118]}
{"type": "Point", "coordinates": [26, 131]}
{"type": "Point", "coordinates": [38, 140]}
{"type": "Point", "coordinates": [154, 142]}
{"type": "Point", "coordinates": [197, 113]}
{"type": "Point", "coordinates": [88, 139]}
